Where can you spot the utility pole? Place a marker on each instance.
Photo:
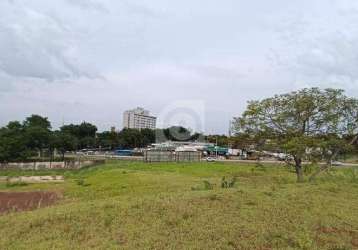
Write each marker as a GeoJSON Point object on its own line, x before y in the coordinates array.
{"type": "Point", "coordinates": [216, 147]}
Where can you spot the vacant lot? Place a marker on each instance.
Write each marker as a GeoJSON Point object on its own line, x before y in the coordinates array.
{"type": "Point", "coordinates": [124, 205]}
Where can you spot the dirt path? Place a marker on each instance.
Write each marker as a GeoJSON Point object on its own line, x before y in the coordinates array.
{"type": "Point", "coordinates": [25, 201]}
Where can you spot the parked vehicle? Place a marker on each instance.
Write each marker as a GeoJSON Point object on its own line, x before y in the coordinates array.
{"type": "Point", "coordinates": [210, 159]}
{"type": "Point", "coordinates": [336, 163]}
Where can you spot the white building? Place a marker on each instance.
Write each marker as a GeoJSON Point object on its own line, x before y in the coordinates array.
{"type": "Point", "coordinates": [139, 118]}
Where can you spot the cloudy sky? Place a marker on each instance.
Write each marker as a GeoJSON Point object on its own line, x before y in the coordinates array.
{"type": "Point", "coordinates": [76, 60]}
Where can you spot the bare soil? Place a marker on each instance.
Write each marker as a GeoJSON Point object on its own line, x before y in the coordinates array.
{"type": "Point", "coordinates": [26, 201]}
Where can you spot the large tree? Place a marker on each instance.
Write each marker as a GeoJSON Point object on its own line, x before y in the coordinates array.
{"type": "Point", "coordinates": [12, 144]}
{"type": "Point", "coordinates": [85, 133]}
{"type": "Point", "coordinates": [37, 132]}
{"type": "Point", "coordinates": [310, 123]}
{"type": "Point", "coordinates": [63, 142]}
{"type": "Point", "coordinates": [108, 139]}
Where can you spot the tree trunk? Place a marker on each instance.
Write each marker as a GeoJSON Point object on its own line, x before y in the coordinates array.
{"type": "Point", "coordinates": [299, 170]}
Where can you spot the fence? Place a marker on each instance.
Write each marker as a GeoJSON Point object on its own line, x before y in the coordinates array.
{"type": "Point", "coordinates": [188, 156]}
{"type": "Point", "coordinates": [75, 164]}
{"type": "Point", "coordinates": [168, 156]}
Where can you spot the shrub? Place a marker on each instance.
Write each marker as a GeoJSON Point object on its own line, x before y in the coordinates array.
{"type": "Point", "coordinates": [80, 182]}
{"type": "Point", "coordinates": [208, 185]}
{"type": "Point", "coordinates": [228, 184]}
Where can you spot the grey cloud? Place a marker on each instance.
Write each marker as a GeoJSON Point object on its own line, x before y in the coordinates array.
{"type": "Point", "coordinates": [35, 45]}
{"type": "Point", "coordinates": [336, 55]}
{"type": "Point", "coordinates": [88, 5]}
{"type": "Point", "coordinates": [6, 83]}
{"type": "Point", "coordinates": [143, 10]}
{"type": "Point", "coordinates": [152, 53]}
{"type": "Point", "coordinates": [319, 47]}
{"type": "Point", "coordinates": [216, 72]}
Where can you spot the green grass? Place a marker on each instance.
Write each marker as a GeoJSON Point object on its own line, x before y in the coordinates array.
{"type": "Point", "coordinates": [133, 205]}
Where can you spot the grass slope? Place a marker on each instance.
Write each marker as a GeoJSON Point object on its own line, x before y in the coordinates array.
{"type": "Point", "coordinates": [128, 205]}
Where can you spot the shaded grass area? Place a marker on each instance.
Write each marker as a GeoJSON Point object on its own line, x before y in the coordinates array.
{"type": "Point", "coordinates": [133, 205]}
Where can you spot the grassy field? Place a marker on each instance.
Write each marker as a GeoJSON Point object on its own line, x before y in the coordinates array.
{"type": "Point", "coordinates": [129, 205]}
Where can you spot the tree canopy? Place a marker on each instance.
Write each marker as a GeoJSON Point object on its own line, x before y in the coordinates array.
{"type": "Point", "coordinates": [309, 123]}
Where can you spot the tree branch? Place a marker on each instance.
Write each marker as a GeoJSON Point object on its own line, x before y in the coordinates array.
{"type": "Point", "coordinates": [329, 164]}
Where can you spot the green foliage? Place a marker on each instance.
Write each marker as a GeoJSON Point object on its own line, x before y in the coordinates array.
{"type": "Point", "coordinates": [132, 138]}
{"type": "Point", "coordinates": [307, 124]}
{"type": "Point", "coordinates": [220, 140]}
{"type": "Point", "coordinates": [208, 185]}
{"type": "Point", "coordinates": [80, 182]}
{"type": "Point", "coordinates": [228, 183]}
{"type": "Point", "coordinates": [84, 134]}
{"type": "Point", "coordinates": [63, 142]}
{"type": "Point", "coordinates": [20, 141]}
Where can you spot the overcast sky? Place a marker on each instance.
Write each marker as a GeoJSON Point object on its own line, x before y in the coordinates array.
{"type": "Point", "coordinates": [89, 60]}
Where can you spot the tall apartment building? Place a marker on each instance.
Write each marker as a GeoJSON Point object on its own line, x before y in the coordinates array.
{"type": "Point", "coordinates": [139, 118]}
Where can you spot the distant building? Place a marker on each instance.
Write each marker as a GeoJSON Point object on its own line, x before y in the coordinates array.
{"type": "Point", "coordinates": [139, 118]}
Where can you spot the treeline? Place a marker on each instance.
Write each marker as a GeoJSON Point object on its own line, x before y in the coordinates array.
{"type": "Point", "coordinates": [34, 138]}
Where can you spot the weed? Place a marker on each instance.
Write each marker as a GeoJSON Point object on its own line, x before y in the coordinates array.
{"type": "Point", "coordinates": [303, 240]}
{"type": "Point", "coordinates": [260, 167]}
{"type": "Point", "coordinates": [228, 183]}
{"type": "Point", "coordinates": [186, 216]}
{"type": "Point", "coordinates": [251, 203]}
{"type": "Point", "coordinates": [334, 189]}
{"type": "Point", "coordinates": [81, 182]}
{"type": "Point", "coordinates": [268, 193]}
{"type": "Point", "coordinates": [208, 185]}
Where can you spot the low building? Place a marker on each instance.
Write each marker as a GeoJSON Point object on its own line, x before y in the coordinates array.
{"type": "Point", "coordinates": [170, 156]}
{"type": "Point", "coordinates": [175, 145]}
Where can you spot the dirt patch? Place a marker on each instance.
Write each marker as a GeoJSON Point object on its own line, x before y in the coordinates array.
{"type": "Point", "coordinates": [25, 201]}
{"type": "Point", "coordinates": [334, 230]}
{"type": "Point", "coordinates": [354, 242]}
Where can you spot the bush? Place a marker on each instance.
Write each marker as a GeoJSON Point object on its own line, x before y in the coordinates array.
{"type": "Point", "coordinates": [208, 185]}
{"type": "Point", "coordinates": [80, 182]}
{"type": "Point", "coordinates": [228, 184]}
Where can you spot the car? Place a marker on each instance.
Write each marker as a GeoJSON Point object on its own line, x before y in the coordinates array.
{"type": "Point", "coordinates": [336, 163]}
{"type": "Point", "coordinates": [210, 159]}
